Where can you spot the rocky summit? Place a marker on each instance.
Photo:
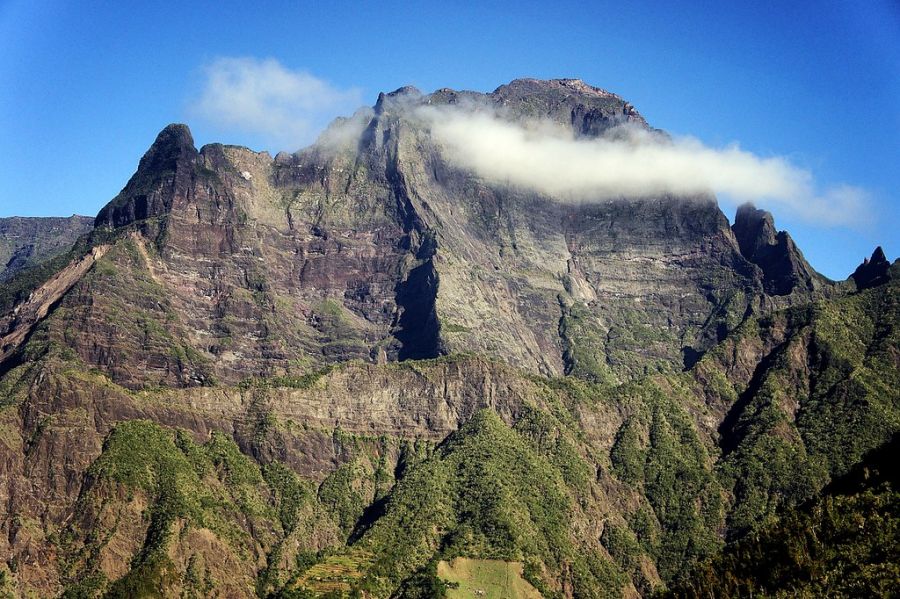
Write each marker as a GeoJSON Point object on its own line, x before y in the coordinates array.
{"type": "Point", "coordinates": [362, 369]}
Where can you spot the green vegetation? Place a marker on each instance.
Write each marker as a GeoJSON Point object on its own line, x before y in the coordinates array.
{"type": "Point", "coordinates": [175, 474]}
{"type": "Point", "coordinates": [23, 283]}
{"type": "Point", "coordinates": [582, 486]}
{"type": "Point", "coordinates": [485, 493]}
{"type": "Point", "coordinates": [627, 454]}
{"type": "Point", "coordinates": [186, 486]}
{"type": "Point", "coordinates": [624, 548]}
{"type": "Point", "coordinates": [843, 543]}
{"type": "Point", "coordinates": [342, 494]}
{"type": "Point", "coordinates": [303, 381]}
{"type": "Point", "coordinates": [7, 588]}
{"type": "Point", "coordinates": [451, 327]}
{"type": "Point", "coordinates": [548, 438]}
{"type": "Point", "coordinates": [491, 579]}
{"type": "Point", "coordinates": [829, 393]}
{"type": "Point", "coordinates": [335, 573]}
{"type": "Point", "coordinates": [658, 452]}
{"type": "Point", "coordinates": [585, 344]}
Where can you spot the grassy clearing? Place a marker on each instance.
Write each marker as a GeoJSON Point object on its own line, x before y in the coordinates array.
{"type": "Point", "coordinates": [485, 578]}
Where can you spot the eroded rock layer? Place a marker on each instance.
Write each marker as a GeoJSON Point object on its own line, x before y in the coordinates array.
{"type": "Point", "coordinates": [383, 251]}
{"type": "Point", "coordinates": [328, 372]}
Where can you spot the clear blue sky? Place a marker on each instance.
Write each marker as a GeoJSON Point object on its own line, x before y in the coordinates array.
{"type": "Point", "coordinates": [85, 87]}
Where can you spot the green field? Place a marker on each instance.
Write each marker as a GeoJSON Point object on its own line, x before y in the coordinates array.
{"type": "Point", "coordinates": [485, 579]}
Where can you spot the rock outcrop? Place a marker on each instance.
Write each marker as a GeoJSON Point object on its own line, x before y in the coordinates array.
{"type": "Point", "coordinates": [783, 267]}
{"type": "Point", "coordinates": [164, 177]}
{"type": "Point", "coordinates": [15, 327]}
{"type": "Point", "coordinates": [383, 250]}
{"type": "Point", "coordinates": [873, 271]}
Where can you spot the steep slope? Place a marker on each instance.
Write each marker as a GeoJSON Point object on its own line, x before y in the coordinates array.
{"type": "Point", "coordinates": [843, 543]}
{"type": "Point", "coordinates": [774, 252]}
{"type": "Point", "coordinates": [329, 371]}
{"type": "Point", "coordinates": [26, 242]}
{"type": "Point", "coordinates": [873, 271]}
{"type": "Point", "coordinates": [659, 492]}
{"type": "Point", "coordinates": [822, 391]}
{"type": "Point", "coordinates": [601, 490]}
{"type": "Point", "coordinates": [382, 250]}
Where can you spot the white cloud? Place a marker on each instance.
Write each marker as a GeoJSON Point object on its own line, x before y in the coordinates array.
{"type": "Point", "coordinates": [345, 132]}
{"type": "Point", "coordinates": [632, 163]}
{"type": "Point", "coordinates": [282, 107]}
{"type": "Point", "coordinates": [288, 109]}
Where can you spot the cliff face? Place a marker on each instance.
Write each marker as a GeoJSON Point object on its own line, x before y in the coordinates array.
{"type": "Point", "coordinates": [612, 488]}
{"type": "Point", "coordinates": [383, 251]}
{"type": "Point", "coordinates": [783, 267]}
{"type": "Point", "coordinates": [26, 242]}
{"type": "Point", "coordinates": [163, 177]}
{"type": "Point", "coordinates": [366, 350]}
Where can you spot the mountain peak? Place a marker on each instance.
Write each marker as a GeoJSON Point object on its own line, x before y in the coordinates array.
{"type": "Point", "coordinates": [407, 92]}
{"type": "Point", "coordinates": [774, 252]}
{"type": "Point", "coordinates": [149, 192]}
{"type": "Point", "coordinates": [178, 132]}
{"type": "Point", "coordinates": [589, 110]}
{"type": "Point", "coordinates": [754, 229]}
{"type": "Point", "coordinates": [173, 142]}
{"type": "Point", "coordinates": [578, 86]}
{"type": "Point", "coordinates": [873, 271]}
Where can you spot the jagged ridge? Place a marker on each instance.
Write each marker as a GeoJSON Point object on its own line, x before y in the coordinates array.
{"type": "Point", "coordinates": [713, 375]}
{"type": "Point", "coordinates": [385, 251]}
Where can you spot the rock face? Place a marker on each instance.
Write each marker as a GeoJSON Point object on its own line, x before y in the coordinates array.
{"type": "Point", "coordinates": [19, 324]}
{"type": "Point", "coordinates": [383, 250]}
{"type": "Point", "coordinates": [783, 267]}
{"type": "Point", "coordinates": [26, 242]}
{"type": "Point", "coordinates": [873, 271]}
{"type": "Point", "coordinates": [257, 372]}
{"type": "Point", "coordinates": [163, 176]}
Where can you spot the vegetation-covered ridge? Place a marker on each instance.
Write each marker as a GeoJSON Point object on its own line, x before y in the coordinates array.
{"type": "Point", "coordinates": [596, 488]}
{"type": "Point", "coordinates": [845, 542]}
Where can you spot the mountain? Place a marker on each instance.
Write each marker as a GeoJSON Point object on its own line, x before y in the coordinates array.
{"type": "Point", "coordinates": [385, 251]}
{"type": "Point", "coordinates": [26, 242]}
{"type": "Point", "coordinates": [339, 370]}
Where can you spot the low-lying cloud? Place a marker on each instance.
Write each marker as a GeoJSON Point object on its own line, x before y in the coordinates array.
{"type": "Point", "coordinates": [632, 163]}
{"type": "Point", "coordinates": [284, 108]}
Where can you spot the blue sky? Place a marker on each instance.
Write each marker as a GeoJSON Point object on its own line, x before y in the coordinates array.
{"type": "Point", "coordinates": [85, 87]}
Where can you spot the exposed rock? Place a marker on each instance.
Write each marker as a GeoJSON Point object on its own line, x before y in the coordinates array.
{"type": "Point", "coordinates": [588, 110]}
{"type": "Point", "coordinates": [164, 176]}
{"type": "Point", "coordinates": [774, 252]}
{"type": "Point", "coordinates": [258, 325]}
{"type": "Point", "coordinates": [16, 326]}
{"type": "Point", "coordinates": [873, 271]}
{"type": "Point", "coordinates": [383, 251]}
